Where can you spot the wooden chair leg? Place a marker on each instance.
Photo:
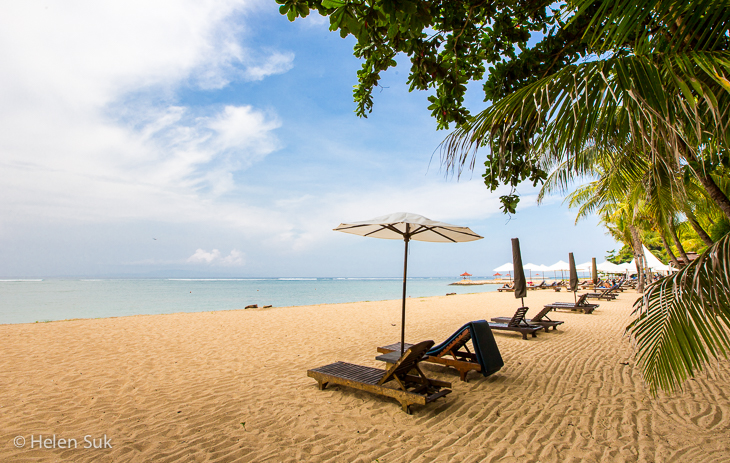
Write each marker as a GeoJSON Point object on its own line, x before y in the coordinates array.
{"type": "Point", "coordinates": [406, 407]}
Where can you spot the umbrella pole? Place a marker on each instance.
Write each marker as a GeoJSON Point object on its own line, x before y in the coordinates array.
{"type": "Point", "coordinates": [406, 238]}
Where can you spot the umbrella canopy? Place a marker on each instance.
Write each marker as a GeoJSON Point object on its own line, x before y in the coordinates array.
{"type": "Point", "coordinates": [573, 274]}
{"type": "Point", "coordinates": [508, 267]}
{"type": "Point", "coordinates": [465, 274]}
{"type": "Point", "coordinates": [531, 267]}
{"type": "Point", "coordinates": [407, 226]}
{"type": "Point", "coordinates": [559, 265]}
{"type": "Point", "coordinates": [584, 267]}
{"type": "Point", "coordinates": [520, 285]}
{"type": "Point", "coordinates": [610, 267]}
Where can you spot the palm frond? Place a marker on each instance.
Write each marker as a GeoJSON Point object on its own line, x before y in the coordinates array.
{"type": "Point", "coordinates": [664, 102]}
{"type": "Point", "coordinates": [683, 320]}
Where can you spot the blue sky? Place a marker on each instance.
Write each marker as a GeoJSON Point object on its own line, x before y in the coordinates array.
{"type": "Point", "coordinates": [219, 139]}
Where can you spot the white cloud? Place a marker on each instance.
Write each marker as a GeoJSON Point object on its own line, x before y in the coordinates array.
{"type": "Point", "coordinates": [88, 133]}
{"type": "Point", "coordinates": [201, 256]}
{"type": "Point", "coordinates": [276, 63]}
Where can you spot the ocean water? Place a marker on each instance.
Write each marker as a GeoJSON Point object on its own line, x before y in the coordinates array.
{"type": "Point", "coordinates": [29, 301]}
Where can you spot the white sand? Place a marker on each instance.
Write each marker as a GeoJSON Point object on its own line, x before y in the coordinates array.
{"type": "Point", "coordinates": [177, 388]}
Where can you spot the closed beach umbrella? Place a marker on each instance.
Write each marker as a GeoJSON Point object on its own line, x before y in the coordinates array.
{"type": "Point", "coordinates": [573, 275]}
{"type": "Point", "coordinates": [407, 226]}
{"type": "Point", "coordinates": [520, 284]}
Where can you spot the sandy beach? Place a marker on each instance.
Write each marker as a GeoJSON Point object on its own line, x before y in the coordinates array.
{"type": "Point", "coordinates": [232, 386]}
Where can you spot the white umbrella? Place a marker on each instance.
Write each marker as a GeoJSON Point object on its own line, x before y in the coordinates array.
{"type": "Point", "coordinates": [508, 267]}
{"type": "Point", "coordinates": [532, 267]}
{"type": "Point", "coordinates": [610, 267]}
{"type": "Point", "coordinates": [628, 266]}
{"type": "Point", "coordinates": [559, 265]}
{"type": "Point", "coordinates": [584, 267]}
{"type": "Point", "coordinates": [407, 226]}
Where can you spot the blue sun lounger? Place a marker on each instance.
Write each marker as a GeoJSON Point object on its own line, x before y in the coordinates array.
{"type": "Point", "coordinates": [455, 353]}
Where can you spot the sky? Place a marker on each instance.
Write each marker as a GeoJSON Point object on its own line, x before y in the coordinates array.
{"type": "Point", "coordinates": [216, 138]}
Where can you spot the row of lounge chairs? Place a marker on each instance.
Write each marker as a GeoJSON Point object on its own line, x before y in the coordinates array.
{"type": "Point", "coordinates": [581, 305]}
{"type": "Point", "coordinates": [403, 379]}
{"type": "Point", "coordinates": [509, 287]}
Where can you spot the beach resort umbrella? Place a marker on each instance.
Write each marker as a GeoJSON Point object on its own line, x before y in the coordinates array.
{"type": "Point", "coordinates": [559, 265]}
{"type": "Point", "coordinates": [610, 267]}
{"type": "Point", "coordinates": [531, 267]}
{"type": "Point", "coordinates": [573, 275]}
{"type": "Point", "coordinates": [520, 284]}
{"type": "Point", "coordinates": [465, 274]}
{"type": "Point", "coordinates": [508, 267]}
{"type": "Point", "coordinates": [407, 226]}
{"type": "Point", "coordinates": [584, 267]}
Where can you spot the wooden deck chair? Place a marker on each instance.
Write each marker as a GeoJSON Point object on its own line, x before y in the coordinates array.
{"type": "Point", "coordinates": [580, 305]}
{"type": "Point", "coordinates": [608, 294]}
{"type": "Point", "coordinates": [409, 389]}
{"type": "Point", "coordinates": [540, 319]}
{"type": "Point", "coordinates": [517, 323]}
{"type": "Point", "coordinates": [454, 351]}
{"type": "Point", "coordinates": [506, 287]}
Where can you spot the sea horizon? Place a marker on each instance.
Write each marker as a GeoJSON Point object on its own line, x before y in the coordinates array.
{"type": "Point", "coordinates": [29, 300]}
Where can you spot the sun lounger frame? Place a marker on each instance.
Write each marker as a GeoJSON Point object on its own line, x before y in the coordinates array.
{"type": "Point", "coordinates": [411, 390]}
{"type": "Point", "coordinates": [540, 318]}
{"type": "Point", "coordinates": [516, 324]}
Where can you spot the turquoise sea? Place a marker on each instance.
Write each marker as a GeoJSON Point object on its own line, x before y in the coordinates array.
{"type": "Point", "coordinates": [29, 301]}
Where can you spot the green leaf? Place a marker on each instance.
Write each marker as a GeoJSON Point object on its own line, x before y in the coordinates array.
{"type": "Point", "coordinates": [333, 3]}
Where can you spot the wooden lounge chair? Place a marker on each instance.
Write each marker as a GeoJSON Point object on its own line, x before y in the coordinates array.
{"type": "Point", "coordinates": [410, 389]}
{"type": "Point", "coordinates": [579, 305]}
{"type": "Point", "coordinates": [507, 287]}
{"type": "Point", "coordinates": [608, 294]}
{"type": "Point", "coordinates": [554, 285]}
{"type": "Point", "coordinates": [455, 353]}
{"type": "Point", "coordinates": [540, 319]}
{"type": "Point", "coordinates": [517, 323]}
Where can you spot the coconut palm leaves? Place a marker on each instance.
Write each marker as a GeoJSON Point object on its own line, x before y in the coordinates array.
{"type": "Point", "coordinates": [658, 80]}
{"type": "Point", "coordinates": [668, 104]}
{"type": "Point", "coordinates": [682, 321]}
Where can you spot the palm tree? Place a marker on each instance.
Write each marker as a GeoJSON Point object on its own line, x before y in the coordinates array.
{"type": "Point", "coordinates": [658, 82]}
{"type": "Point", "coordinates": [659, 85]}
{"type": "Point", "coordinates": [682, 321]}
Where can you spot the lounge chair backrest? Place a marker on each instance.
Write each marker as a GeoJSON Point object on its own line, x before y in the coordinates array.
{"type": "Point", "coordinates": [519, 317]}
{"type": "Point", "coordinates": [459, 340]}
{"type": "Point", "coordinates": [408, 360]}
{"type": "Point", "coordinates": [541, 314]}
{"type": "Point", "coordinates": [581, 300]}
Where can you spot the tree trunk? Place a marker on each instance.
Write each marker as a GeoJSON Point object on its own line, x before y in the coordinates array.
{"type": "Point", "coordinates": [672, 257]}
{"type": "Point", "coordinates": [678, 244]}
{"type": "Point", "coordinates": [715, 193]}
{"type": "Point", "coordinates": [639, 256]}
{"type": "Point", "coordinates": [692, 219]}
